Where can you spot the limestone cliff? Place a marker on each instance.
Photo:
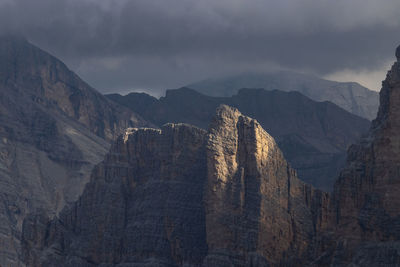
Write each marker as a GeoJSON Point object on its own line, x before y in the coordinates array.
{"type": "Point", "coordinates": [366, 200]}
{"type": "Point", "coordinates": [180, 196]}
{"type": "Point", "coordinates": [257, 211]}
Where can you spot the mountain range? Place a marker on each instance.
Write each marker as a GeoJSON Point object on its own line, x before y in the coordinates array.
{"type": "Point", "coordinates": [350, 96]}
{"type": "Point", "coordinates": [184, 196]}
{"type": "Point", "coordinates": [313, 136]}
{"type": "Point", "coordinates": [90, 180]}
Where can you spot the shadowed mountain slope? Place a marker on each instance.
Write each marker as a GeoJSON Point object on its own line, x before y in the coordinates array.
{"type": "Point", "coordinates": [53, 129]}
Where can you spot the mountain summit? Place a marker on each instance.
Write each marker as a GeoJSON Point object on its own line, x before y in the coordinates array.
{"type": "Point", "coordinates": [350, 96]}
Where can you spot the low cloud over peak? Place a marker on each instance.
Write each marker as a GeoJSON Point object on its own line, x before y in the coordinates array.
{"type": "Point", "coordinates": [155, 44]}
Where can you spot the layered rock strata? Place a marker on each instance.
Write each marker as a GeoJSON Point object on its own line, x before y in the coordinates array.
{"type": "Point", "coordinates": [257, 211]}
{"type": "Point", "coordinates": [181, 196]}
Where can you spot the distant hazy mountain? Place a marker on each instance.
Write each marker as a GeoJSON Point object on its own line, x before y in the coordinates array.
{"type": "Point", "coordinates": [350, 96]}
{"type": "Point", "coordinates": [53, 129]}
{"type": "Point", "coordinates": [313, 135]}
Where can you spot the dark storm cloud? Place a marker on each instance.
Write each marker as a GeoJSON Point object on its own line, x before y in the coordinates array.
{"type": "Point", "coordinates": [154, 44]}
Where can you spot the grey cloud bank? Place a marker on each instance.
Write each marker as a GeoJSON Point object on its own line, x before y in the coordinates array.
{"type": "Point", "coordinates": [156, 44]}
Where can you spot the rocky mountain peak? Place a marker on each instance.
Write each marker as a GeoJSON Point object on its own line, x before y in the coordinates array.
{"type": "Point", "coordinates": [225, 116]}
{"type": "Point", "coordinates": [240, 141]}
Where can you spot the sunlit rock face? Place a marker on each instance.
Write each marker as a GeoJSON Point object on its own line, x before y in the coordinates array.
{"type": "Point", "coordinates": [257, 210]}
{"type": "Point", "coordinates": [181, 196]}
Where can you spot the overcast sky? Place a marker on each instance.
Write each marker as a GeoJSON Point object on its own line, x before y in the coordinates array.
{"type": "Point", "coordinates": [151, 45]}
